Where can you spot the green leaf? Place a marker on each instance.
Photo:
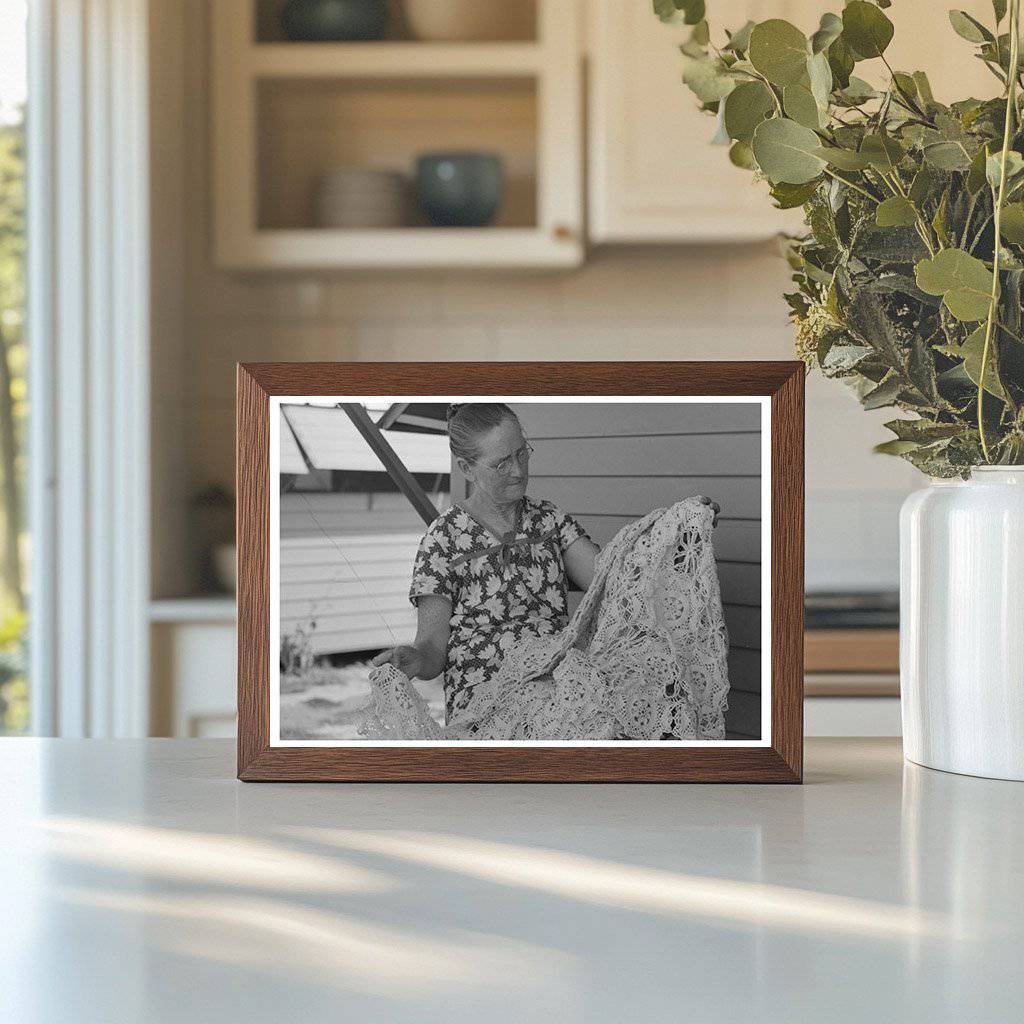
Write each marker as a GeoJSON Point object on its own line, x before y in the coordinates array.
{"type": "Point", "coordinates": [840, 61]}
{"type": "Point", "coordinates": [739, 41]}
{"type": "Point", "coordinates": [788, 196]}
{"type": "Point", "coordinates": [993, 165]}
{"type": "Point", "coordinates": [923, 431]}
{"type": "Point", "coordinates": [866, 29]}
{"type": "Point", "coordinates": [721, 136]}
{"type": "Point", "coordinates": [895, 212]}
{"type": "Point", "coordinates": [857, 91]}
{"type": "Point", "coordinates": [883, 152]}
{"type": "Point", "coordinates": [971, 352]}
{"type": "Point", "coordinates": [745, 108]}
{"type": "Point", "coordinates": [779, 51]}
{"type": "Point", "coordinates": [666, 10]}
{"type": "Point", "coordinates": [844, 159]}
{"type": "Point", "coordinates": [693, 10]}
{"type": "Point", "coordinates": [1011, 226]}
{"type": "Point", "coordinates": [939, 220]}
{"type": "Point", "coordinates": [906, 84]}
{"type": "Point", "coordinates": [895, 447]}
{"type": "Point", "coordinates": [969, 28]}
{"type": "Point", "coordinates": [689, 12]}
{"type": "Point", "coordinates": [843, 358]}
{"type": "Point", "coordinates": [741, 155]}
{"type": "Point", "coordinates": [819, 74]}
{"type": "Point", "coordinates": [947, 156]}
{"type": "Point", "coordinates": [707, 78]}
{"type": "Point", "coordinates": [976, 173]}
{"type": "Point", "coordinates": [924, 88]}
{"type": "Point", "coordinates": [868, 319]}
{"type": "Point", "coordinates": [801, 106]}
{"type": "Point", "coordinates": [829, 30]}
{"type": "Point", "coordinates": [786, 151]}
{"type": "Point", "coordinates": [885, 394]}
{"type": "Point", "coordinates": [889, 245]}
{"type": "Point", "coordinates": [922, 185]}
{"type": "Point", "coordinates": [701, 34]}
{"type": "Point", "coordinates": [921, 369]}
{"type": "Point", "coordinates": [999, 9]}
{"type": "Point", "coordinates": [963, 281]}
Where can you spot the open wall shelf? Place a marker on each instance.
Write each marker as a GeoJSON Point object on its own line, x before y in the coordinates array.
{"type": "Point", "coordinates": [285, 114]}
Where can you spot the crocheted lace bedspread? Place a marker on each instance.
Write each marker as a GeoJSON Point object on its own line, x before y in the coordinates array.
{"type": "Point", "coordinates": [644, 657]}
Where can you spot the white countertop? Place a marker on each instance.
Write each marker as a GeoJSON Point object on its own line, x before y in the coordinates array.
{"type": "Point", "coordinates": [140, 882]}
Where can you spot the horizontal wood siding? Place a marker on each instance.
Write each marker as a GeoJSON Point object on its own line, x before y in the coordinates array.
{"type": "Point", "coordinates": [346, 565]}
{"type": "Point", "coordinates": [611, 463]}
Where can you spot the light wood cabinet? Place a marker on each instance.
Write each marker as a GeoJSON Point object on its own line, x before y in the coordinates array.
{"type": "Point", "coordinates": [654, 177]}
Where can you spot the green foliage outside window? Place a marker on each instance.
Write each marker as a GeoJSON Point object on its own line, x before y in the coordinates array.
{"type": "Point", "coordinates": [13, 412]}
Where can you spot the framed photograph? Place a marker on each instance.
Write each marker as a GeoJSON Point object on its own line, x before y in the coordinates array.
{"type": "Point", "coordinates": [564, 572]}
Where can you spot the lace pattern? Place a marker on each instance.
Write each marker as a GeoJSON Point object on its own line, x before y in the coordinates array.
{"type": "Point", "coordinates": [644, 657]}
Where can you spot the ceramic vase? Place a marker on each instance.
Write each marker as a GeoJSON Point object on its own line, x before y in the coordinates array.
{"type": "Point", "coordinates": [962, 624]}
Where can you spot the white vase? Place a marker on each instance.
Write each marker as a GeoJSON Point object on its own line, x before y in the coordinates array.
{"type": "Point", "coordinates": [962, 624]}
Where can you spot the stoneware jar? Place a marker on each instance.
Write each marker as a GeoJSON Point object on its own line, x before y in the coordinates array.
{"type": "Point", "coordinates": [962, 624]}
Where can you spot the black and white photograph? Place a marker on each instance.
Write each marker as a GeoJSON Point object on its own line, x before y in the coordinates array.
{"type": "Point", "coordinates": [520, 570]}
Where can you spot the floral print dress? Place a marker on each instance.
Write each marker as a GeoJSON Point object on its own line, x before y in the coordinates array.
{"type": "Point", "coordinates": [501, 590]}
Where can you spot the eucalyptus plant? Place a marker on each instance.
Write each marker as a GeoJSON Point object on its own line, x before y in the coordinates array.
{"type": "Point", "coordinates": [902, 290]}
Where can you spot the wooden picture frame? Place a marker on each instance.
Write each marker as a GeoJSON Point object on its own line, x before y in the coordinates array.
{"type": "Point", "coordinates": [778, 759]}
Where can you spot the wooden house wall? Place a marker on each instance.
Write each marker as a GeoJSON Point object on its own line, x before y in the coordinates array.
{"type": "Point", "coordinates": [611, 463]}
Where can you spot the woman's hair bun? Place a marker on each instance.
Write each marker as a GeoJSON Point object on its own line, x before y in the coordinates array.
{"type": "Point", "coordinates": [469, 421]}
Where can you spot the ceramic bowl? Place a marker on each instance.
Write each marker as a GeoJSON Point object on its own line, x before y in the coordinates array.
{"type": "Point", "coordinates": [460, 189]}
{"type": "Point", "coordinates": [359, 197]}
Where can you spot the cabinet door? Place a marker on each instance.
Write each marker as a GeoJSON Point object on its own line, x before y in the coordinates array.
{"type": "Point", "coordinates": [654, 176]}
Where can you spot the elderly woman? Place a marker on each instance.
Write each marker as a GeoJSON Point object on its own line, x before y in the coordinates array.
{"type": "Point", "coordinates": [493, 569]}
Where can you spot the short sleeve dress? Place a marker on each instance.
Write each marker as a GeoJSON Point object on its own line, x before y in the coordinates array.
{"type": "Point", "coordinates": [501, 591]}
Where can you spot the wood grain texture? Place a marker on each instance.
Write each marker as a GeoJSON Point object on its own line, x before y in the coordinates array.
{"type": "Point", "coordinates": [252, 512]}
{"type": "Point", "coordinates": [781, 762]}
{"type": "Point", "coordinates": [787, 568]}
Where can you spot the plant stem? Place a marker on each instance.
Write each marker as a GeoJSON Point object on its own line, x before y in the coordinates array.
{"type": "Point", "coordinates": [897, 189]}
{"type": "Point", "coordinates": [1011, 108]}
{"type": "Point", "coordinates": [853, 185]}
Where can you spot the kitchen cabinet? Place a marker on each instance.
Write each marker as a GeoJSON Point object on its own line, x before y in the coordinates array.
{"type": "Point", "coordinates": [287, 114]}
{"type": "Point", "coordinates": [653, 175]}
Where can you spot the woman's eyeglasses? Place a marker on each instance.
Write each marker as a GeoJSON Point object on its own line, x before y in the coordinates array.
{"type": "Point", "coordinates": [521, 457]}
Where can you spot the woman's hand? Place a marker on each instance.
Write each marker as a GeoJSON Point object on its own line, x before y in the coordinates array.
{"type": "Point", "coordinates": [714, 505]}
{"type": "Point", "coordinates": [408, 660]}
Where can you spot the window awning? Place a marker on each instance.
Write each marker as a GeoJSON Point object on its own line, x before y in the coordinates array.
{"type": "Point", "coordinates": [416, 417]}
{"type": "Point", "coordinates": [291, 458]}
{"type": "Point", "coordinates": [330, 441]}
